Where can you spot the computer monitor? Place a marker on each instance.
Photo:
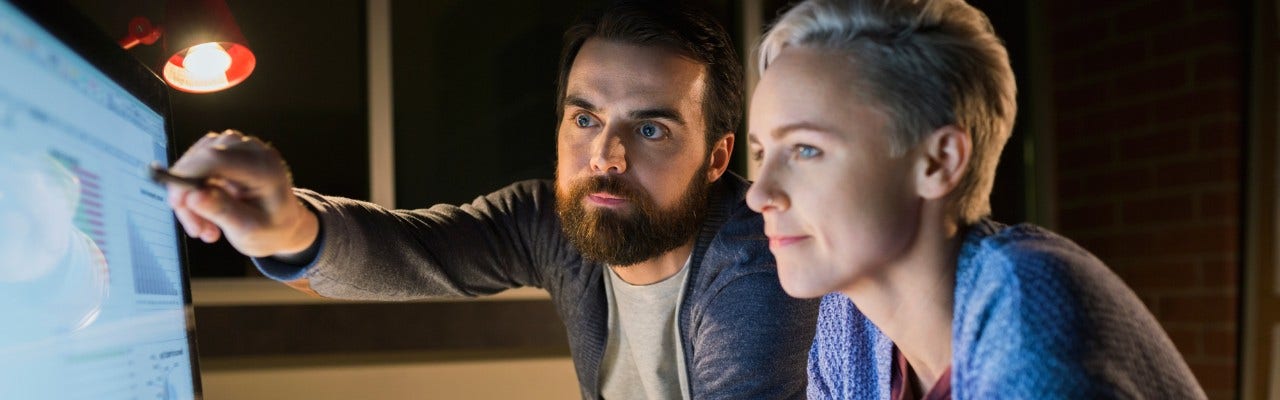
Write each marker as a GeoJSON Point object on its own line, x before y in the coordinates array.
{"type": "Point", "coordinates": [94, 295]}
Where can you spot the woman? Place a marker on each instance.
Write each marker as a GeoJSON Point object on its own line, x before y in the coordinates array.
{"type": "Point", "coordinates": [877, 125]}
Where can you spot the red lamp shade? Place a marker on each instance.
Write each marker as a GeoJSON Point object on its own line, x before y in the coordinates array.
{"type": "Point", "coordinates": [209, 52]}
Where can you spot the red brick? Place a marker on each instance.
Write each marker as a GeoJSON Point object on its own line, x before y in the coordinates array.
{"type": "Point", "coordinates": [1214, 239]}
{"type": "Point", "coordinates": [1167, 77]}
{"type": "Point", "coordinates": [1219, 31]}
{"type": "Point", "coordinates": [1220, 274]}
{"type": "Point", "coordinates": [1208, 6]}
{"type": "Point", "coordinates": [1117, 119]}
{"type": "Point", "coordinates": [1070, 187]}
{"type": "Point", "coordinates": [1221, 203]}
{"type": "Point", "coordinates": [1148, 276]}
{"type": "Point", "coordinates": [1089, 155]}
{"type": "Point", "coordinates": [1218, 68]}
{"type": "Point", "coordinates": [1069, 35]}
{"type": "Point", "coordinates": [1124, 181]}
{"type": "Point", "coordinates": [1195, 104]}
{"type": "Point", "coordinates": [1173, 208]}
{"type": "Point", "coordinates": [1188, 340]}
{"type": "Point", "coordinates": [1069, 128]}
{"type": "Point", "coordinates": [1087, 217]}
{"type": "Point", "coordinates": [1070, 12]}
{"type": "Point", "coordinates": [1152, 14]}
{"type": "Point", "coordinates": [1077, 127]}
{"type": "Point", "coordinates": [1171, 141]}
{"type": "Point", "coordinates": [1097, 62]}
{"type": "Point", "coordinates": [1106, 184]}
{"type": "Point", "coordinates": [1220, 342]}
{"type": "Point", "coordinates": [1216, 169]}
{"type": "Point", "coordinates": [1064, 12]}
{"type": "Point", "coordinates": [1123, 245]}
{"type": "Point", "coordinates": [1153, 304]}
{"type": "Point", "coordinates": [1221, 394]}
{"type": "Point", "coordinates": [1148, 99]}
{"type": "Point", "coordinates": [1083, 96]}
{"type": "Point", "coordinates": [1214, 375]}
{"type": "Point", "coordinates": [1204, 308]}
{"type": "Point", "coordinates": [1223, 133]}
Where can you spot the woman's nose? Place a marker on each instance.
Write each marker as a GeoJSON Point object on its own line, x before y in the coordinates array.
{"type": "Point", "coordinates": [765, 195]}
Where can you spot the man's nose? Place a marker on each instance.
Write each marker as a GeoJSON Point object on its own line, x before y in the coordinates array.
{"type": "Point", "coordinates": [608, 153]}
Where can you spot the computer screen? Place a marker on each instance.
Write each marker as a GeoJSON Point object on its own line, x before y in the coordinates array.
{"type": "Point", "coordinates": [94, 298]}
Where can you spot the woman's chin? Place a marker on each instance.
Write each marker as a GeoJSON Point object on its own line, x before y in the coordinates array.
{"type": "Point", "coordinates": [799, 283]}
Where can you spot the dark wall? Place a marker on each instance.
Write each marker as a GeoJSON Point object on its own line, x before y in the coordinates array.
{"type": "Point", "coordinates": [1149, 105]}
{"type": "Point", "coordinates": [474, 87]}
{"type": "Point", "coordinates": [1012, 197]}
{"type": "Point", "coordinates": [306, 96]}
{"type": "Point", "coordinates": [474, 95]}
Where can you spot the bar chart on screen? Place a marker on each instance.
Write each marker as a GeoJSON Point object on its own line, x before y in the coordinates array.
{"type": "Point", "coordinates": [149, 276]}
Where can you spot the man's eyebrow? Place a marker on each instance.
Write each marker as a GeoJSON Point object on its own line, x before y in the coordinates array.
{"type": "Point", "coordinates": [659, 113]}
{"type": "Point", "coordinates": [669, 114]}
{"type": "Point", "coordinates": [575, 101]}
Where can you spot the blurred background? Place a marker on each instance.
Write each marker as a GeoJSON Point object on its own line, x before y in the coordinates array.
{"type": "Point", "coordinates": [1146, 132]}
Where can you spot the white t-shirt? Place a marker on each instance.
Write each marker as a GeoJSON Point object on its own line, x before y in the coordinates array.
{"type": "Point", "coordinates": [644, 358]}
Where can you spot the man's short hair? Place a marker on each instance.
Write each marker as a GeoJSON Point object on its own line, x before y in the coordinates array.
{"type": "Point", "coordinates": [669, 24]}
{"type": "Point", "coordinates": [927, 64]}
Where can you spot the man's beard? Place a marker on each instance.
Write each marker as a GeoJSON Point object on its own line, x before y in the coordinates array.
{"type": "Point", "coordinates": [632, 236]}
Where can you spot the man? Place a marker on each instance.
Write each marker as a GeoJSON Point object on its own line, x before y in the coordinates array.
{"type": "Point", "coordinates": [651, 256]}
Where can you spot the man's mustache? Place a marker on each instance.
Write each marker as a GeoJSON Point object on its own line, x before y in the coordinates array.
{"type": "Point", "coordinates": [608, 184]}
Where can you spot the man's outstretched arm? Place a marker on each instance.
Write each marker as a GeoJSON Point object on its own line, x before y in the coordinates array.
{"type": "Point", "coordinates": [360, 249]}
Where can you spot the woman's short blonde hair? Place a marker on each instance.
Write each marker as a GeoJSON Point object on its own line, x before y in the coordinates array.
{"type": "Point", "coordinates": [927, 64]}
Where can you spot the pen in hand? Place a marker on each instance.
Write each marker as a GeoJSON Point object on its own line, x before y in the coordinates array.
{"type": "Point", "coordinates": [161, 175]}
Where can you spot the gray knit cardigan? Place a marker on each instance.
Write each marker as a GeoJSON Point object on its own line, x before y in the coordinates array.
{"type": "Point", "coordinates": [741, 335]}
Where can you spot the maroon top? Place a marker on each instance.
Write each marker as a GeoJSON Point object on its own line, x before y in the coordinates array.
{"type": "Point", "coordinates": [900, 390]}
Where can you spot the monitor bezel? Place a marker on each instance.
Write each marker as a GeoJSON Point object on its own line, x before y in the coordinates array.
{"type": "Point", "coordinates": [81, 34]}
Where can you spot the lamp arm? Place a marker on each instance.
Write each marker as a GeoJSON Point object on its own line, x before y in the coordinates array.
{"type": "Point", "coordinates": [140, 32]}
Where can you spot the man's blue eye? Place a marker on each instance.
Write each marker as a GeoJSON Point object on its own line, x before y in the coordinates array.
{"type": "Point", "coordinates": [583, 121]}
{"type": "Point", "coordinates": [650, 131]}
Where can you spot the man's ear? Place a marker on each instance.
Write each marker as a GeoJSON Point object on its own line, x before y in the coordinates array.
{"type": "Point", "coordinates": [943, 160]}
{"type": "Point", "coordinates": [719, 161]}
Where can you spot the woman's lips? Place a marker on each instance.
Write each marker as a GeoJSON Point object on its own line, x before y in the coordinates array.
{"type": "Point", "coordinates": [776, 242]}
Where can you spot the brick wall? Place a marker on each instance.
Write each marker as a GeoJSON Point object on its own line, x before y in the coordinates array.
{"type": "Point", "coordinates": [1148, 111]}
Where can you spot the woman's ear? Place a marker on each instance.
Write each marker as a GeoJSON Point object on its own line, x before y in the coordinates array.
{"type": "Point", "coordinates": [943, 160]}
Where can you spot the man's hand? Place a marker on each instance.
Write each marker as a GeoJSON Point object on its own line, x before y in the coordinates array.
{"type": "Point", "coordinates": [249, 199]}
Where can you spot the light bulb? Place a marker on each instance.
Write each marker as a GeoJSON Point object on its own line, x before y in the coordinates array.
{"type": "Point", "coordinates": [207, 61]}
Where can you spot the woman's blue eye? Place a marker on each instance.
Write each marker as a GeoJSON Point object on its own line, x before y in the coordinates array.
{"type": "Point", "coordinates": [583, 121]}
{"type": "Point", "coordinates": [650, 131]}
{"type": "Point", "coordinates": [806, 152]}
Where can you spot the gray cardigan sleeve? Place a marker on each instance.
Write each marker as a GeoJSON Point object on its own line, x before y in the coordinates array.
{"type": "Point", "coordinates": [753, 342]}
{"type": "Point", "coordinates": [499, 241]}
